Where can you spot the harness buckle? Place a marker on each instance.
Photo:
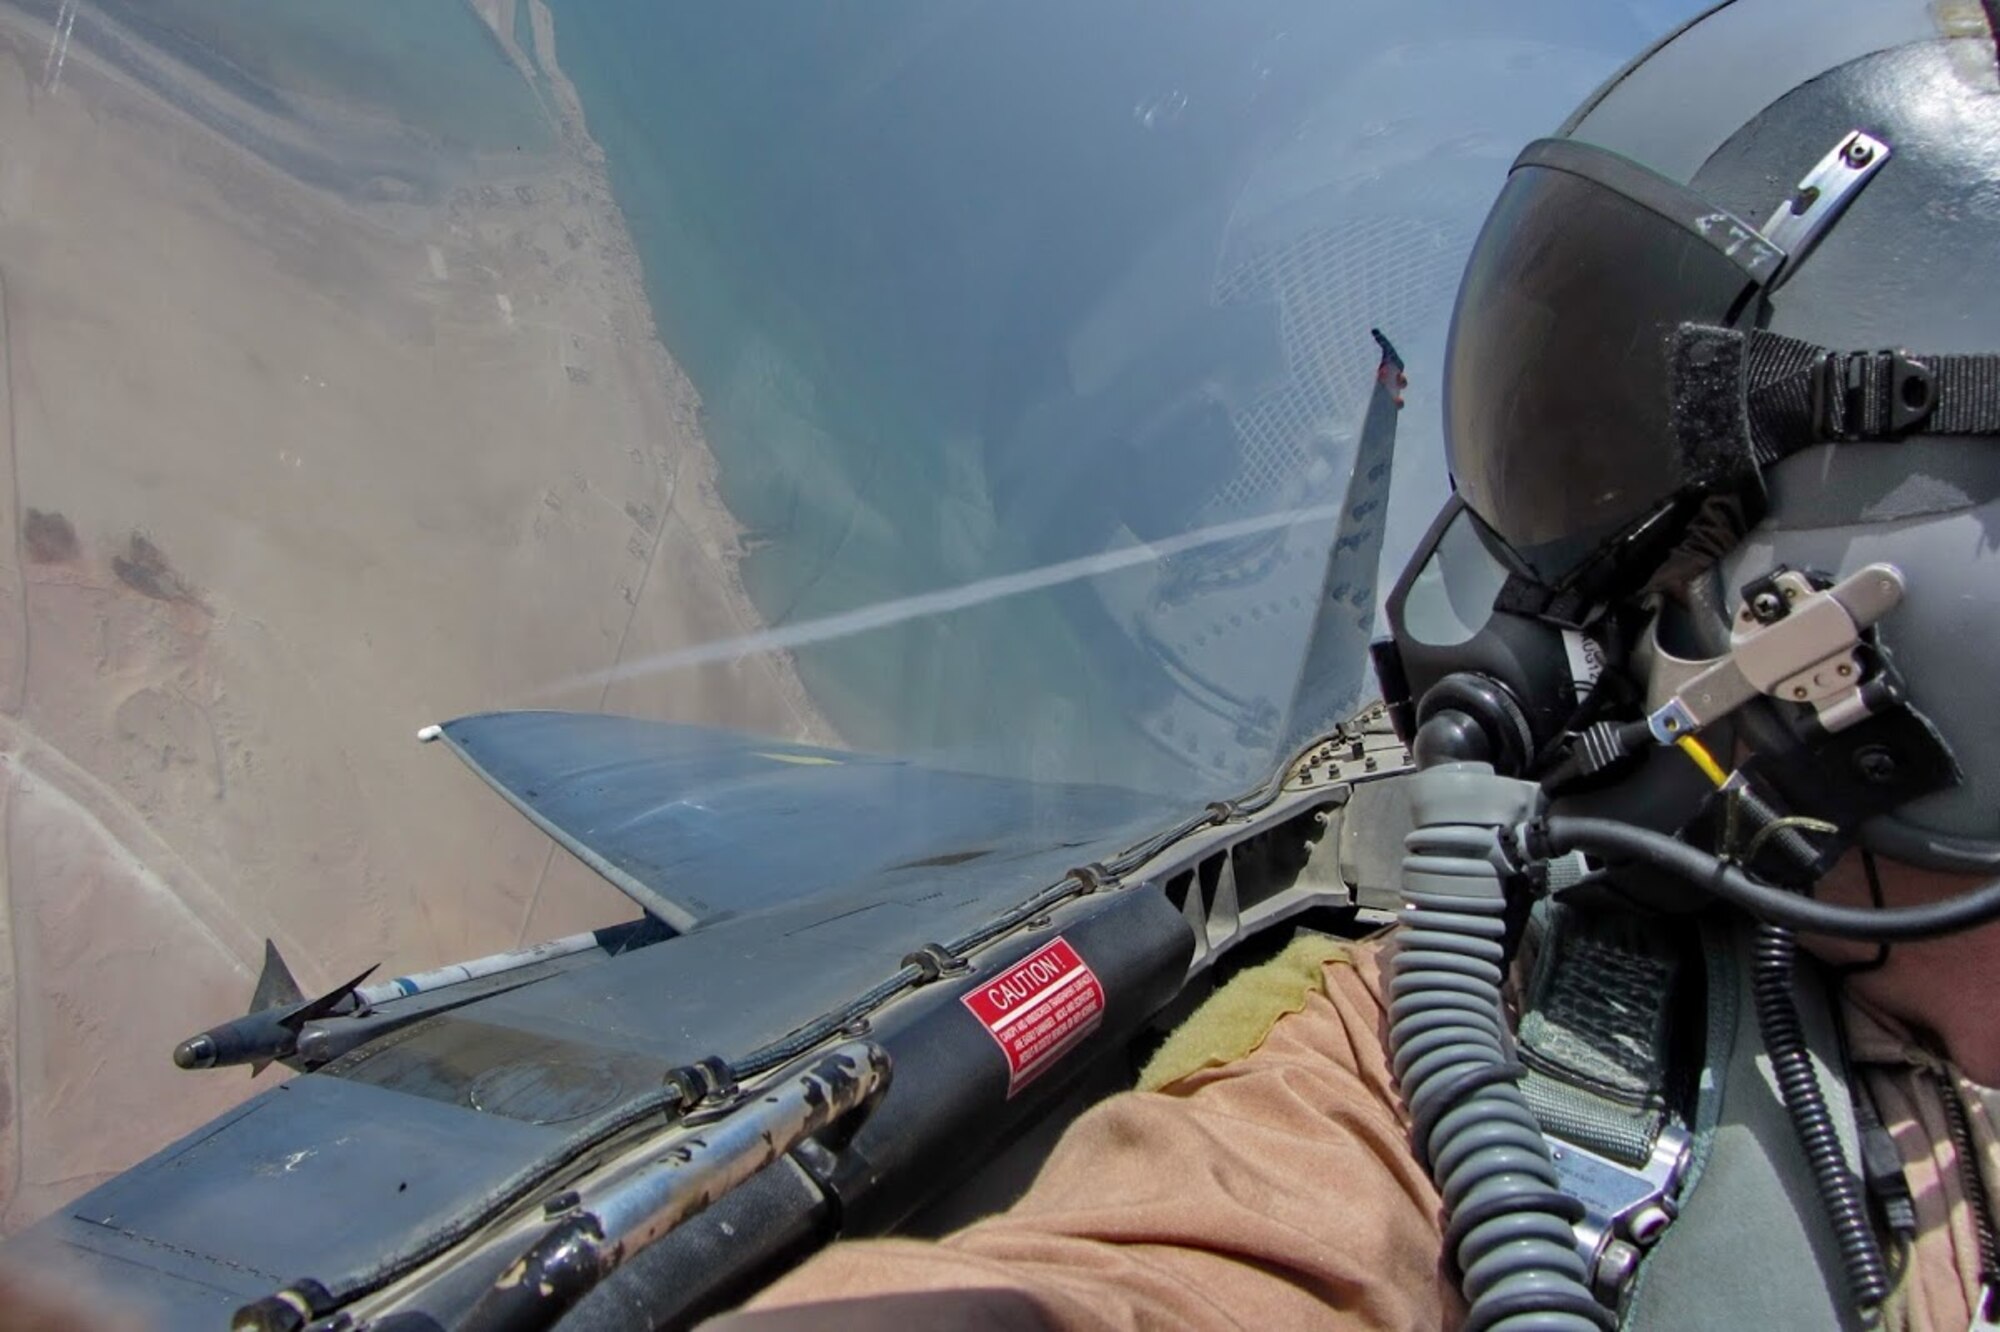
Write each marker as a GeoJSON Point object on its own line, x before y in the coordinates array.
{"type": "Point", "coordinates": [1624, 1208]}
{"type": "Point", "coordinates": [1870, 395]}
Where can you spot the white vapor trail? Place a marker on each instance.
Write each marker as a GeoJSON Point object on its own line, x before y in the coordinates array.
{"type": "Point", "coordinates": [903, 609]}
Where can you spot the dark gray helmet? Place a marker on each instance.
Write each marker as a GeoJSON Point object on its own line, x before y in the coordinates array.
{"type": "Point", "coordinates": [1741, 317]}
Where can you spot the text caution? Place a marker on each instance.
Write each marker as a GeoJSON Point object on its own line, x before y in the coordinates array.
{"type": "Point", "coordinates": [1039, 1009]}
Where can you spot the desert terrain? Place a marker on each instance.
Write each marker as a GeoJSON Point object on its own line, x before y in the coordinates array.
{"type": "Point", "coordinates": [291, 466]}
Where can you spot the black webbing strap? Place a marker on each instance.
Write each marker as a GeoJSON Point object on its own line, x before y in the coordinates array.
{"type": "Point", "coordinates": [1789, 394]}
{"type": "Point", "coordinates": [1520, 595]}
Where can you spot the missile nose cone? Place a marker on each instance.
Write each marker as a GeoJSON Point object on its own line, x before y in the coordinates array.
{"type": "Point", "coordinates": [195, 1052]}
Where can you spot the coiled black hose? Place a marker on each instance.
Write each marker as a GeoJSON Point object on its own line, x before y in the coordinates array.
{"type": "Point", "coordinates": [1508, 1219]}
{"type": "Point", "coordinates": [1773, 954]}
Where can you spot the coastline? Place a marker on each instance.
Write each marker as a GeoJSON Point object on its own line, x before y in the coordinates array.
{"type": "Point", "coordinates": [391, 177]}
{"type": "Point", "coordinates": [696, 497]}
{"type": "Point", "coordinates": [299, 465]}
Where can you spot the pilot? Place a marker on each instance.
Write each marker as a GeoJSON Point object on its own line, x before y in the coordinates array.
{"type": "Point", "coordinates": [1715, 611]}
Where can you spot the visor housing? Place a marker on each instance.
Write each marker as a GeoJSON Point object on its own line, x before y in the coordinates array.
{"type": "Point", "coordinates": [1559, 410]}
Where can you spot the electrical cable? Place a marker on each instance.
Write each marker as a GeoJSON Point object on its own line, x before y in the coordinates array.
{"type": "Point", "coordinates": [1774, 952]}
{"type": "Point", "coordinates": [1773, 955]}
{"type": "Point", "coordinates": [1610, 838]}
{"type": "Point", "coordinates": [1704, 760]}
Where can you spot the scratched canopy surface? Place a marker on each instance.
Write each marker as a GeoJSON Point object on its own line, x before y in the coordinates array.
{"type": "Point", "coordinates": [986, 384]}
{"type": "Point", "coordinates": [1034, 339]}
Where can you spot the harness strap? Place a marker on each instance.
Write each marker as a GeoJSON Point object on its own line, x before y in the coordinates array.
{"type": "Point", "coordinates": [1750, 1247]}
{"type": "Point", "coordinates": [1593, 1032]}
{"type": "Point", "coordinates": [1783, 394]}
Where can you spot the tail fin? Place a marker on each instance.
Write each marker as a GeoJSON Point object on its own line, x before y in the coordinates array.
{"type": "Point", "coordinates": [275, 986]}
{"type": "Point", "coordinates": [277, 989]}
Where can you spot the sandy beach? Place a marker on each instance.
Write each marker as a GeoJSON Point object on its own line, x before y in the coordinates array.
{"type": "Point", "coordinates": [293, 467]}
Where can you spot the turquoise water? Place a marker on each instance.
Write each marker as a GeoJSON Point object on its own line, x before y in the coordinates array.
{"type": "Point", "coordinates": [845, 446]}
{"type": "Point", "coordinates": [948, 276]}
{"type": "Point", "coordinates": [524, 34]}
{"type": "Point", "coordinates": [882, 240]}
{"type": "Point", "coordinates": [524, 40]}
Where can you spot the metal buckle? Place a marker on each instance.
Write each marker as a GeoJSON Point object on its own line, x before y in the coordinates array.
{"type": "Point", "coordinates": [1625, 1210]}
{"type": "Point", "coordinates": [1912, 392]}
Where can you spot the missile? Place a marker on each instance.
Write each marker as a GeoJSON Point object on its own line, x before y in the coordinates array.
{"type": "Point", "coordinates": [279, 1011]}
{"type": "Point", "coordinates": [438, 978]}
{"type": "Point", "coordinates": [270, 1030]}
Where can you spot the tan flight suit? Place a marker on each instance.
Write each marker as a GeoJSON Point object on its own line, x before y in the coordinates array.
{"type": "Point", "coordinates": [1277, 1190]}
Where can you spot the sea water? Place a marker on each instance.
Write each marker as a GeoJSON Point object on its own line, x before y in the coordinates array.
{"type": "Point", "coordinates": [953, 277]}
{"type": "Point", "coordinates": [835, 244]}
{"type": "Point", "coordinates": [950, 277]}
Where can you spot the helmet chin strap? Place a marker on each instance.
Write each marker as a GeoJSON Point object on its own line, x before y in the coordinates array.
{"type": "Point", "coordinates": [1875, 898]}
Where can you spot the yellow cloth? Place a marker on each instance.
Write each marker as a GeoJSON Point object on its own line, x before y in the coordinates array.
{"type": "Point", "coordinates": [1238, 1017]}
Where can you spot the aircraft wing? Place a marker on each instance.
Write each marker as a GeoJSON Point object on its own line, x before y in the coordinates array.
{"type": "Point", "coordinates": [697, 824]}
{"type": "Point", "coordinates": [808, 883]}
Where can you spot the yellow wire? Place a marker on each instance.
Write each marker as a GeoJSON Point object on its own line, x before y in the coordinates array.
{"type": "Point", "coordinates": [1704, 760]}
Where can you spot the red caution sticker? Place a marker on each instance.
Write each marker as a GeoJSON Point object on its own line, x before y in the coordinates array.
{"type": "Point", "coordinates": [1039, 1009]}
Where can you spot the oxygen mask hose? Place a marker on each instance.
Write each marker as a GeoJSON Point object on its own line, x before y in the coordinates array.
{"type": "Point", "coordinates": [1508, 1221]}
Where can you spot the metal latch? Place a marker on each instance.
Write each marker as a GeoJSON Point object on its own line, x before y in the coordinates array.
{"type": "Point", "coordinates": [1792, 641]}
{"type": "Point", "coordinates": [1819, 198]}
{"type": "Point", "coordinates": [1625, 1209]}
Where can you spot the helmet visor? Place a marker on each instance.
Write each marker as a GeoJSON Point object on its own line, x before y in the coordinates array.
{"type": "Point", "coordinates": [1559, 388]}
